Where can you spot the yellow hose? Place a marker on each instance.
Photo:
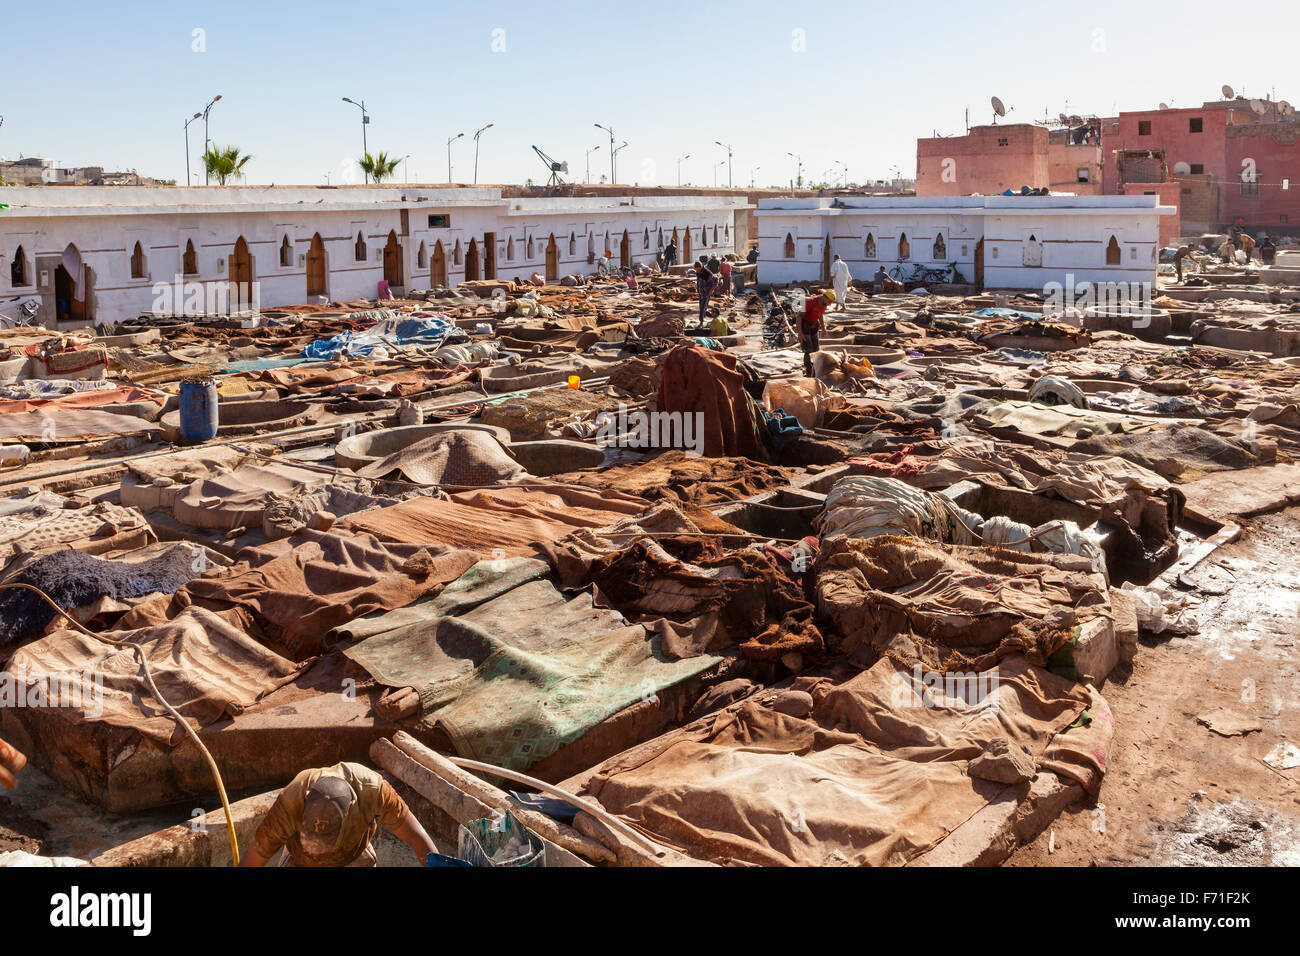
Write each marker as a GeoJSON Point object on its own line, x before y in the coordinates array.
{"type": "Point", "coordinates": [153, 688]}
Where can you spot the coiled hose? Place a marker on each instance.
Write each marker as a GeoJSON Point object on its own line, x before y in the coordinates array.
{"type": "Point", "coordinates": [153, 689]}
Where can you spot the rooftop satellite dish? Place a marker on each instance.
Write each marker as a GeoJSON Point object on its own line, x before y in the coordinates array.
{"type": "Point", "coordinates": [1227, 92]}
{"type": "Point", "coordinates": [1164, 106]}
{"type": "Point", "coordinates": [1285, 108]}
{"type": "Point", "coordinates": [1257, 107]}
{"type": "Point", "coordinates": [1076, 120]}
{"type": "Point", "coordinates": [1064, 120]}
{"type": "Point", "coordinates": [998, 108]}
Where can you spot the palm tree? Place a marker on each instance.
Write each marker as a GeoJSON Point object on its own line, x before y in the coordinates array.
{"type": "Point", "coordinates": [223, 162]}
{"type": "Point", "coordinates": [378, 167]}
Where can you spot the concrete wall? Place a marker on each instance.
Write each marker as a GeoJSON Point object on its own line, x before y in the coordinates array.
{"type": "Point", "coordinates": [104, 224]}
{"type": "Point", "coordinates": [1198, 205]}
{"type": "Point", "coordinates": [1064, 160]}
{"type": "Point", "coordinates": [1170, 194]}
{"type": "Point", "coordinates": [1067, 236]}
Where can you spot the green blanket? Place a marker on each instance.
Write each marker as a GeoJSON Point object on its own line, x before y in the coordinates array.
{"type": "Point", "coordinates": [520, 676]}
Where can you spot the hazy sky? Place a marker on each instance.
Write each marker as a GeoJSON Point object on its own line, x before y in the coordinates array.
{"type": "Point", "coordinates": [112, 84]}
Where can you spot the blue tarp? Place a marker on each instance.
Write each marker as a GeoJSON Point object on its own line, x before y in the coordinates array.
{"type": "Point", "coordinates": [429, 331]}
{"type": "Point", "coordinates": [261, 364]}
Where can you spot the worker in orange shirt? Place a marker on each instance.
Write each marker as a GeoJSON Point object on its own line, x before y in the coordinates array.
{"type": "Point", "coordinates": [328, 816]}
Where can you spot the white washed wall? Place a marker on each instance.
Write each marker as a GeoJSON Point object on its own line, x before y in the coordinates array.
{"type": "Point", "coordinates": [1074, 237]}
{"type": "Point", "coordinates": [104, 226]}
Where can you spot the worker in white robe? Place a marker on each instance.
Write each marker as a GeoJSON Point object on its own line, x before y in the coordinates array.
{"type": "Point", "coordinates": [840, 280]}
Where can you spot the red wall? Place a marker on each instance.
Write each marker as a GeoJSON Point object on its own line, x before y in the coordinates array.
{"type": "Point", "coordinates": [1170, 131]}
{"type": "Point", "coordinates": [1275, 148]}
{"type": "Point", "coordinates": [980, 165]}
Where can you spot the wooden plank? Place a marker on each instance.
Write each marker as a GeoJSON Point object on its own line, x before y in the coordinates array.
{"type": "Point", "coordinates": [465, 804]}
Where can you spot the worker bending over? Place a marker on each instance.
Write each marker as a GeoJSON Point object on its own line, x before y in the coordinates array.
{"type": "Point", "coordinates": [328, 816]}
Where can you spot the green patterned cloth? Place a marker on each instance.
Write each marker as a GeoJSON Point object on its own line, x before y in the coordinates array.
{"type": "Point", "coordinates": [519, 676]}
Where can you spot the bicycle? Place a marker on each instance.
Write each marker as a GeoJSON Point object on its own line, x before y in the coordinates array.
{"type": "Point", "coordinates": [919, 273]}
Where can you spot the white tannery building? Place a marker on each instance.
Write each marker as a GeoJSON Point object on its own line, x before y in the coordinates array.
{"type": "Point", "coordinates": [1005, 242]}
{"type": "Point", "coordinates": [102, 254]}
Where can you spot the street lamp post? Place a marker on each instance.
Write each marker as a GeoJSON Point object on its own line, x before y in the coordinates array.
{"type": "Point", "coordinates": [187, 147]}
{"type": "Point", "coordinates": [477, 134]}
{"type": "Point", "coordinates": [612, 151]}
{"type": "Point", "coordinates": [449, 142]}
{"type": "Point", "coordinates": [728, 149]}
{"type": "Point", "coordinates": [798, 182]}
{"type": "Point", "coordinates": [406, 177]}
{"type": "Point", "coordinates": [589, 152]}
{"type": "Point", "coordinates": [679, 168]}
{"type": "Point", "coordinates": [751, 175]}
{"type": "Point", "coordinates": [206, 110]}
{"type": "Point", "coordinates": [617, 151]}
{"type": "Point", "coordinates": [716, 167]}
{"type": "Point", "coordinates": [365, 121]}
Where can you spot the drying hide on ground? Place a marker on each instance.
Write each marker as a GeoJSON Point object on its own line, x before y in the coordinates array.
{"type": "Point", "coordinates": [203, 666]}
{"type": "Point", "coordinates": [695, 594]}
{"type": "Point", "coordinates": [457, 458]}
{"type": "Point", "coordinates": [699, 380]}
{"type": "Point", "coordinates": [873, 771]}
{"type": "Point", "coordinates": [504, 522]}
{"type": "Point", "coordinates": [952, 608]}
{"type": "Point", "coordinates": [304, 585]}
{"type": "Point", "coordinates": [864, 506]}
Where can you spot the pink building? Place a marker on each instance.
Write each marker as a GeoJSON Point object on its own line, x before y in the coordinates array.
{"type": "Point", "coordinates": [992, 159]}
{"type": "Point", "coordinates": [987, 160]}
{"type": "Point", "coordinates": [1236, 165]}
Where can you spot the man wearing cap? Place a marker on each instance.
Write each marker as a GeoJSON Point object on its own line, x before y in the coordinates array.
{"type": "Point", "coordinates": [328, 816]}
{"type": "Point", "coordinates": [811, 321]}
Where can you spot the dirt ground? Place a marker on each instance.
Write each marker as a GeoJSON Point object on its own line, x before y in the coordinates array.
{"type": "Point", "coordinates": [1176, 792]}
{"type": "Point", "coordinates": [18, 831]}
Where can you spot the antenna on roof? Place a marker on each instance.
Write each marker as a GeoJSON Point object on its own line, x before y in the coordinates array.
{"type": "Point", "coordinates": [998, 109]}
{"type": "Point", "coordinates": [1227, 92]}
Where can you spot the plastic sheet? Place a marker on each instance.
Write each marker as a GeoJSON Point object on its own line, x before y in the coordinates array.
{"type": "Point", "coordinates": [1051, 390]}
{"type": "Point", "coordinates": [804, 398]}
{"type": "Point", "coordinates": [499, 841]}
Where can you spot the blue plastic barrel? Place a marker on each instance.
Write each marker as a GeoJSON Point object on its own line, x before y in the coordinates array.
{"type": "Point", "coordinates": [198, 408]}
